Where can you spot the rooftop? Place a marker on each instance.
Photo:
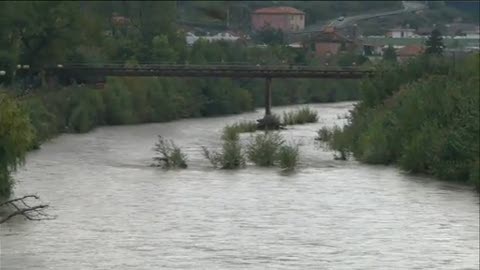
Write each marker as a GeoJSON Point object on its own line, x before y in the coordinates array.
{"type": "Point", "coordinates": [330, 35]}
{"type": "Point", "coordinates": [279, 10]}
{"type": "Point", "coordinates": [403, 29]}
{"type": "Point", "coordinates": [410, 50]}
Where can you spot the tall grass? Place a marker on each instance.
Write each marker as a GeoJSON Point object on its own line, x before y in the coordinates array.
{"type": "Point", "coordinates": [169, 156]}
{"type": "Point", "coordinates": [230, 132]}
{"type": "Point", "coordinates": [300, 116]}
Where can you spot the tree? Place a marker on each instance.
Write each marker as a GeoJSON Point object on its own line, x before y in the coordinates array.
{"type": "Point", "coordinates": [270, 36]}
{"type": "Point", "coordinates": [16, 136]}
{"type": "Point", "coordinates": [390, 54]}
{"type": "Point", "coordinates": [162, 51]}
{"type": "Point", "coordinates": [151, 18]}
{"type": "Point", "coordinates": [434, 43]}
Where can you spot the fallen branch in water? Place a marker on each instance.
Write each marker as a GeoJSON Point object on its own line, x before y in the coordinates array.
{"type": "Point", "coordinates": [22, 208]}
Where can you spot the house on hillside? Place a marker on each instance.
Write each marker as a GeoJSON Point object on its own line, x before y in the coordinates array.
{"type": "Point", "coordinates": [409, 51]}
{"type": "Point", "coordinates": [328, 43]}
{"type": "Point", "coordinates": [287, 19]}
{"type": "Point", "coordinates": [401, 33]}
{"type": "Point", "coordinates": [473, 34]}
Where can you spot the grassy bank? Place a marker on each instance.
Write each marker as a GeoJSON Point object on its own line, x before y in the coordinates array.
{"type": "Point", "coordinates": [422, 116]}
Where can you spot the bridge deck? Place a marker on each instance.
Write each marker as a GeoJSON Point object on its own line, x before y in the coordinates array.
{"type": "Point", "coordinates": [248, 71]}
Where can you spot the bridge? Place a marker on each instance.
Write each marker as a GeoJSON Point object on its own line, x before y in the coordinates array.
{"type": "Point", "coordinates": [91, 73]}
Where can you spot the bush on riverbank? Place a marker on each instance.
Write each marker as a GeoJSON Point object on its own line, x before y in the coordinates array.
{"type": "Point", "coordinates": [16, 135]}
{"type": "Point", "coordinates": [422, 116]}
{"type": "Point", "coordinates": [300, 116]}
{"type": "Point", "coordinates": [169, 156]}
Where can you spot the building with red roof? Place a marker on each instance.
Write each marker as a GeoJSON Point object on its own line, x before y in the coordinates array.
{"type": "Point", "coordinates": [409, 51]}
{"type": "Point", "coordinates": [329, 42]}
{"type": "Point", "coordinates": [287, 19]}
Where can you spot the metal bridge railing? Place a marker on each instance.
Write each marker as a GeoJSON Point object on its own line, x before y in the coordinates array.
{"type": "Point", "coordinates": [210, 66]}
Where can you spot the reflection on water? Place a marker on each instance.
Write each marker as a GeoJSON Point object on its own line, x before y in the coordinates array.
{"type": "Point", "coordinates": [115, 212]}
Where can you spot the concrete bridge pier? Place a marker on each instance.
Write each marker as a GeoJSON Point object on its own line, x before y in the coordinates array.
{"type": "Point", "coordinates": [268, 122]}
{"type": "Point", "coordinates": [268, 96]}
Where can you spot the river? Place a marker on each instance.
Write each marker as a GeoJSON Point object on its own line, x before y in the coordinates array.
{"type": "Point", "coordinates": [113, 211]}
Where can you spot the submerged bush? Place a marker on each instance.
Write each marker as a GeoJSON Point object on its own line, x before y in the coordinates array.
{"type": "Point", "coordinates": [269, 122]}
{"type": "Point", "coordinates": [323, 134]}
{"type": "Point", "coordinates": [300, 116]}
{"type": "Point", "coordinates": [169, 155]}
{"type": "Point", "coordinates": [230, 157]}
{"type": "Point", "coordinates": [230, 132]}
{"type": "Point", "coordinates": [263, 148]}
{"type": "Point", "coordinates": [340, 142]}
{"type": "Point", "coordinates": [288, 156]}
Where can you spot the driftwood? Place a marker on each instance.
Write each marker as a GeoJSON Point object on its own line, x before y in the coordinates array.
{"type": "Point", "coordinates": [20, 207]}
{"type": "Point", "coordinates": [269, 122]}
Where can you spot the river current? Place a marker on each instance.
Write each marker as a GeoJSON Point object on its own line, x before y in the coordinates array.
{"type": "Point", "coordinates": [113, 211]}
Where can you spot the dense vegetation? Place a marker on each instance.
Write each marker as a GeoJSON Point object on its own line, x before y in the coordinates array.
{"type": "Point", "coordinates": [15, 136]}
{"type": "Point", "coordinates": [422, 116]}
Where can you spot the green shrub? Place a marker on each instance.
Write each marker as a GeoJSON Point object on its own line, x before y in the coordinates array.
{"type": "Point", "coordinates": [169, 155]}
{"type": "Point", "coordinates": [263, 148]}
{"type": "Point", "coordinates": [44, 122]}
{"type": "Point", "coordinates": [118, 103]}
{"type": "Point", "coordinates": [231, 156]}
{"type": "Point", "coordinates": [340, 142]}
{"type": "Point", "coordinates": [288, 156]}
{"type": "Point", "coordinates": [300, 116]}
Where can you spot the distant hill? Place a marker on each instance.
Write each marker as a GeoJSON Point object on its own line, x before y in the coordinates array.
{"type": "Point", "coordinates": [239, 11]}
{"type": "Point", "coordinates": [472, 8]}
{"type": "Point", "coordinates": [437, 15]}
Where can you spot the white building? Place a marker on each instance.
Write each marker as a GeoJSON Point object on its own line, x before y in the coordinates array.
{"type": "Point", "coordinates": [192, 38]}
{"type": "Point", "coordinates": [474, 34]}
{"type": "Point", "coordinates": [401, 33]}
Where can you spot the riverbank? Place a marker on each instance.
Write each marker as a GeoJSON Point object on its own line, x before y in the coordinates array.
{"type": "Point", "coordinates": [422, 116]}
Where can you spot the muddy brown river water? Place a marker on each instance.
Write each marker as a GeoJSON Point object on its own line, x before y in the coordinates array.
{"type": "Point", "coordinates": [113, 211]}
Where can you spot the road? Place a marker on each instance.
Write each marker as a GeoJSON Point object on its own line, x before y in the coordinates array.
{"type": "Point", "coordinates": [407, 7]}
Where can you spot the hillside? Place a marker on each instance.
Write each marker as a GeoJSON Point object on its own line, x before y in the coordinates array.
{"type": "Point", "coordinates": [214, 13]}
{"type": "Point", "coordinates": [437, 15]}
